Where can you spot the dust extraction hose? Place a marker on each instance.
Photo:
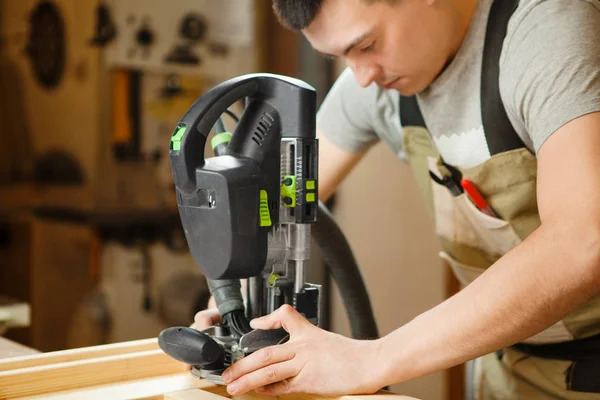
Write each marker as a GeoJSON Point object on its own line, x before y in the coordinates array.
{"type": "Point", "coordinates": [342, 265]}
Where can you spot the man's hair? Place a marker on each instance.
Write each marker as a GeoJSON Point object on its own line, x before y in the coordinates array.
{"type": "Point", "coordinates": [298, 14]}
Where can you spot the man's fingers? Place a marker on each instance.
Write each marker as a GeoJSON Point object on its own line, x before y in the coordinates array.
{"type": "Point", "coordinates": [284, 317]}
{"type": "Point", "coordinates": [265, 357]}
{"type": "Point", "coordinates": [266, 322]}
{"type": "Point", "coordinates": [212, 303]}
{"type": "Point", "coordinates": [268, 375]}
{"type": "Point", "coordinates": [277, 389]}
{"type": "Point", "coordinates": [206, 318]}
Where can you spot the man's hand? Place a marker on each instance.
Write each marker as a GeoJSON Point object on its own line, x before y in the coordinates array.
{"type": "Point", "coordinates": [206, 318]}
{"type": "Point", "coordinates": [312, 361]}
{"type": "Point", "coordinates": [203, 320]}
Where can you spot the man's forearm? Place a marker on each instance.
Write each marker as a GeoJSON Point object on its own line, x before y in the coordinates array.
{"type": "Point", "coordinates": [525, 292]}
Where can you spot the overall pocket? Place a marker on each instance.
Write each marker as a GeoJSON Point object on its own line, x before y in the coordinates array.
{"type": "Point", "coordinates": [459, 221]}
{"type": "Point", "coordinates": [463, 272]}
{"type": "Point", "coordinates": [496, 235]}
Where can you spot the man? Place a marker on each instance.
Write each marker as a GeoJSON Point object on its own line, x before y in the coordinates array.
{"type": "Point", "coordinates": [532, 267]}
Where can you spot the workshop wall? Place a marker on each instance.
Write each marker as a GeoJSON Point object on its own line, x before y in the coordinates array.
{"type": "Point", "coordinates": [100, 259]}
{"type": "Point", "coordinates": [39, 85]}
{"type": "Point", "coordinates": [52, 121]}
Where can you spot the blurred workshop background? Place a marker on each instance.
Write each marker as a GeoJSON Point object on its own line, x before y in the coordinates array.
{"type": "Point", "coordinates": [91, 246]}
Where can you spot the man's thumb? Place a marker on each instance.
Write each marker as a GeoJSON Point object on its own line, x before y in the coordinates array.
{"type": "Point", "coordinates": [285, 317]}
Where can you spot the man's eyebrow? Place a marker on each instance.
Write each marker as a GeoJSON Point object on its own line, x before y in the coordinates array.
{"type": "Point", "coordinates": [349, 47]}
{"type": "Point", "coordinates": [356, 42]}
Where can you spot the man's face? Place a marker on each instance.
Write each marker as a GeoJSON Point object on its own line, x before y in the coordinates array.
{"type": "Point", "coordinates": [403, 46]}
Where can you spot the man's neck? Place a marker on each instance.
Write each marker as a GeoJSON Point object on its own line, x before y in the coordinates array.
{"type": "Point", "coordinates": [463, 11]}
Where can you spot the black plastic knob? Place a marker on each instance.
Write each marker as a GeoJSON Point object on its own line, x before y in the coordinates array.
{"type": "Point", "coordinates": [191, 347]}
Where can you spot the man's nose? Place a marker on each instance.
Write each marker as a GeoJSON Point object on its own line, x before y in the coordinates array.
{"type": "Point", "coordinates": [365, 73]}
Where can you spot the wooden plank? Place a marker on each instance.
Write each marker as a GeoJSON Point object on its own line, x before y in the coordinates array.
{"type": "Point", "coordinates": [221, 390]}
{"type": "Point", "coordinates": [96, 373]}
{"type": "Point", "coordinates": [193, 394]}
{"type": "Point", "coordinates": [80, 374]}
{"type": "Point", "coordinates": [147, 389]}
{"type": "Point", "coordinates": [377, 396]}
{"type": "Point", "coordinates": [84, 353]}
{"type": "Point", "coordinates": [219, 393]}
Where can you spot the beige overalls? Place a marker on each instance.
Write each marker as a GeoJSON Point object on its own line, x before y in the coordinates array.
{"type": "Point", "coordinates": [472, 241]}
{"type": "Point", "coordinates": [564, 362]}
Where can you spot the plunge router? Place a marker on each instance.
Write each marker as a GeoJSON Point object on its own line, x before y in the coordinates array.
{"type": "Point", "coordinates": [247, 213]}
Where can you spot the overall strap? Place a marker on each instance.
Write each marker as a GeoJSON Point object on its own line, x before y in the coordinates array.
{"type": "Point", "coordinates": [499, 132]}
{"type": "Point", "coordinates": [410, 113]}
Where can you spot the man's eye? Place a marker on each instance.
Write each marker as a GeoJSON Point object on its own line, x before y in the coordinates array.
{"type": "Point", "coordinates": [367, 48]}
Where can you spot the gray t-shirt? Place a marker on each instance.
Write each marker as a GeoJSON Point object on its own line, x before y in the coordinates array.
{"type": "Point", "coordinates": [549, 75]}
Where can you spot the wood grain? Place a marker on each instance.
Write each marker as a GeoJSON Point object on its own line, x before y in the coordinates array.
{"type": "Point", "coordinates": [129, 370]}
{"type": "Point", "coordinates": [193, 394]}
{"type": "Point", "coordinates": [85, 353]}
{"type": "Point", "coordinates": [147, 389]}
{"type": "Point", "coordinates": [85, 373]}
{"type": "Point", "coordinates": [220, 392]}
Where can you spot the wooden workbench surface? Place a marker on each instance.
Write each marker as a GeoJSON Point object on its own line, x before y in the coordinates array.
{"type": "Point", "coordinates": [121, 371]}
{"type": "Point", "coordinates": [11, 349]}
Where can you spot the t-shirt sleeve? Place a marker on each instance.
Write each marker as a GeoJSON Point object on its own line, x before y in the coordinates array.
{"type": "Point", "coordinates": [346, 114]}
{"type": "Point", "coordinates": [550, 67]}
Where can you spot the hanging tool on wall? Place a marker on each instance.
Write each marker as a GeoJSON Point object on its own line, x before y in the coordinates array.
{"type": "Point", "coordinates": [126, 138]}
{"type": "Point", "coordinates": [46, 44]}
{"type": "Point", "coordinates": [105, 26]}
